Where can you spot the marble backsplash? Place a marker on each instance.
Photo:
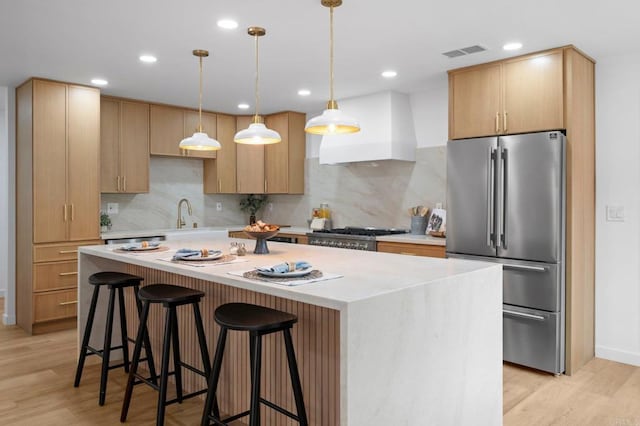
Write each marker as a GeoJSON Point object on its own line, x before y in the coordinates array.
{"type": "Point", "coordinates": [359, 194]}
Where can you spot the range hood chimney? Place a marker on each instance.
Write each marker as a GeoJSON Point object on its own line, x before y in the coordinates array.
{"type": "Point", "coordinates": [387, 131]}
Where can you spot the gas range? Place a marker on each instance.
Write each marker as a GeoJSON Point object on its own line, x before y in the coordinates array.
{"type": "Point", "coordinates": [351, 237]}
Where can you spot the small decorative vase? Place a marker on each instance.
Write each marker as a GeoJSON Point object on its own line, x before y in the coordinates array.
{"type": "Point", "coordinates": [252, 219]}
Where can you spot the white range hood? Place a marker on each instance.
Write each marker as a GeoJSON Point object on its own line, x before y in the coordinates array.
{"type": "Point", "coordinates": [386, 131]}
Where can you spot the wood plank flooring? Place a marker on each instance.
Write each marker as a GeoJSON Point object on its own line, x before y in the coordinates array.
{"type": "Point", "coordinates": [36, 388]}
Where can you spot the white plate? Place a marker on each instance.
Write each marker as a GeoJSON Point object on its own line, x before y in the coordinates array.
{"type": "Point", "coordinates": [125, 248]}
{"type": "Point", "coordinates": [214, 256]}
{"type": "Point", "coordinates": [300, 273]}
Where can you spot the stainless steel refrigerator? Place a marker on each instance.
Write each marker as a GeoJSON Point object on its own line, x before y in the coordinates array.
{"type": "Point", "coordinates": [506, 204]}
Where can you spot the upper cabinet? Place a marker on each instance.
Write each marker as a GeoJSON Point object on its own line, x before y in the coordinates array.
{"type": "Point", "coordinates": [522, 94]}
{"type": "Point", "coordinates": [124, 146]}
{"type": "Point", "coordinates": [58, 196]}
{"type": "Point", "coordinates": [169, 125]}
{"type": "Point", "coordinates": [276, 168]}
{"type": "Point", "coordinates": [220, 174]}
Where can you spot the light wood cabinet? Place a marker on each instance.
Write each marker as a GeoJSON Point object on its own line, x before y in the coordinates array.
{"type": "Point", "coordinates": [124, 146]}
{"type": "Point", "coordinates": [412, 249]}
{"type": "Point", "coordinates": [220, 174]}
{"type": "Point", "coordinates": [169, 125]}
{"type": "Point", "coordinates": [522, 94]}
{"type": "Point", "coordinates": [276, 168]}
{"type": "Point", "coordinates": [554, 89]}
{"type": "Point", "coordinates": [57, 195]}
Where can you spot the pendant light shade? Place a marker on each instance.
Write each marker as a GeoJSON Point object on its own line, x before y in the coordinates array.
{"type": "Point", "coordinates": [200, 141]}
{"type": "Point", "coordinates": [332, 120]}
{"type": "Point", "coordinates": [257, 133]}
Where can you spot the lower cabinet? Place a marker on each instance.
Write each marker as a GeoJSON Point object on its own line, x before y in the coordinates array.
{"type": "Point", "coordinates": [412, 249]}
{"type": "Point", "coordinates": [54, 292]}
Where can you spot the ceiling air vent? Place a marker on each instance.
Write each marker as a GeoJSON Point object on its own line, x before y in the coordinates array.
{"type": "Point", "coordinates": [464, 51]}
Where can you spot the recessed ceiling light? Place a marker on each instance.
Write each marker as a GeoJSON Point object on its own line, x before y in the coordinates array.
{"type": "Point", "coordinates": [227, 24]}
{"type": "Point", "coordinates": [243, 106]}
{"type": "Point", "coordinates": [99, 82]}
{"type": "Point", "coordinates": [389, 74]}
{"type": "Point", "coordinates": [304, 92]}
{"type": "Point", "coordinates": [149, 59]}
{"type": "Point", "coordinates": [512, 46]}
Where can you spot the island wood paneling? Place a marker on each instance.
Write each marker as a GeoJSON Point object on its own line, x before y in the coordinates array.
{"type": "Point", "coordinates": [316, 338]}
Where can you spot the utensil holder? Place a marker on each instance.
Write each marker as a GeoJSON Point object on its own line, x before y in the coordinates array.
{"type": "Point", "coordinates": [418, 225]}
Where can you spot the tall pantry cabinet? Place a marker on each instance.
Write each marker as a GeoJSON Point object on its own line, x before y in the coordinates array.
{"type": "Point", "coordinates": [57, 197]}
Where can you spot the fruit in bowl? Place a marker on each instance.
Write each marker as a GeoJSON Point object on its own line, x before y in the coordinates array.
{"type": "Point", "coordinates": [260, 226]}
{"type": "Point", "coordinates": [261, 232]}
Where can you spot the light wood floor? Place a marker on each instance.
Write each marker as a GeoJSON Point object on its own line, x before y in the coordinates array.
{"type": "Point", "coordinates": [36, 388]}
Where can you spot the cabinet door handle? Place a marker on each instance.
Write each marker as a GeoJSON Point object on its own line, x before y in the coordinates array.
{"type": "Point", "coordinates": [66, 274]}
{"type": "Point", "coordinates": [124, 183]}
{"type": "Point", "coordinates": [67, 251]}
{"type": "Point", "coordinates": [265, 185]}
{"type": "Point", "coordinates": [505, 121]}
{"type": "Point", "coordinates": [497, 122]}
{"type": "Point", "coordinates": [64, 212]}
{"type": "Point", "coordinates": [219, 185]}
{"type": "Point", "coordinates": [71, 206]}
{"type": "Point", "coordinates": [72, 302]}
{"type": "Point", "coordinates": [118, 180]}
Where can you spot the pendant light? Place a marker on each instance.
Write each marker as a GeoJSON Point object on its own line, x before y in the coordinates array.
{"type": "Point", "coordinates": [257, 133]}
{"type": "Point", "coordinates": [200, 141]}
{"type": "Point", "coordinates": [332, 120]}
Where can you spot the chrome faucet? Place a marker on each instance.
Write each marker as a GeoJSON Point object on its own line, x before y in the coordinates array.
{"type": "Point", "coordinates": [181, 221]}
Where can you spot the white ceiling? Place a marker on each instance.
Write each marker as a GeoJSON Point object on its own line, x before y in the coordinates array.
{"type": "Point", "coordinates": [77, 40]}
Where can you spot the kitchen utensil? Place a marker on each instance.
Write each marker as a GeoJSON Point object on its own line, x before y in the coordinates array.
{"type": "Point", "coordinates": [424, 211]}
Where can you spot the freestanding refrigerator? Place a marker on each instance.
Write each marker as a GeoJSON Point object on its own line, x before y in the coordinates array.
{"type": "Point", "coordinates": [506, 204]}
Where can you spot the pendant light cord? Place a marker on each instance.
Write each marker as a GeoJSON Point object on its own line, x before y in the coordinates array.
{"type": "Point", "coordinates": [331, 53]}
{"type": "Point", "coordinates": [256, 119]}
{"type": "Point", "coordinates": [200, 103]}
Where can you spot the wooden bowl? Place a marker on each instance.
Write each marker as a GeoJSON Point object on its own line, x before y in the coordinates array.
{"type": "Point", "coordinates": [261, 240]}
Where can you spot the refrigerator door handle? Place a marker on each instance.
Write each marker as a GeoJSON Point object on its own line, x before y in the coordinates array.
{"type": "Point", "coordinates": [523, 315]}
{"type": "Point", "coordinates": [491, 156]}
{"type": "Point", "coordinates": [502, 240]}
{"type": "Point", "coordinates": [525, 267]}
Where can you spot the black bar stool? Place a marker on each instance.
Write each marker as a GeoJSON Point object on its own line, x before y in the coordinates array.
{"type": "Point", "coordinates": [171, 296]}
{"type": "Point", "coordinates": [115, 281]}
{"type": "Point", "coordinates": [258, 321]}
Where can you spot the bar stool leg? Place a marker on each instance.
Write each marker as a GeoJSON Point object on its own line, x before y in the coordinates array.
{"type": "Point", "coordinates": [215, 375]}
{"type": "Point", "coordinates": [254, 415]}
{"type": "Point", "coordinates": [164, 370]}
{"type": "Point", "coordinates": [204, 352]}
{"type": "Point", "coordinates": [177, 364]}
{"type": "Point", "coordinates": [123, 330]}
{"type": "Point", "coordinates": [87, 335]}
{"type": "Point", "coordinates": [106, 348]}
{"type": "Point", "coordinates": [295, 378]}
{"type": "Point", "coordinates": [147, 342]}
{"type": "Point", "coordinates": [134, 362]}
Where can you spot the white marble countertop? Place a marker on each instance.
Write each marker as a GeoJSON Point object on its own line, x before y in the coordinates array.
{"type": "Point", "coordinates": [365, 274]}
{"type": "Point", "coordinates": [295, 230]}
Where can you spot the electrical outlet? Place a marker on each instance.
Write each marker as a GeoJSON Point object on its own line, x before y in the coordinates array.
{"type": "Point", "coordinates": [615, 213]}
{"type": "Point", "coordinates": [219, 206]}
{"type": "Point", "coordinates": [270, 207]}
{"type": "Point", "coordinates": [112, 208]}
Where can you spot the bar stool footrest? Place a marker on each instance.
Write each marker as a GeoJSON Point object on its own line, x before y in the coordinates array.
{"type": "Point", "coordinates": [279, 409]}
{"type": "Point", "coordinates": [187, 396]}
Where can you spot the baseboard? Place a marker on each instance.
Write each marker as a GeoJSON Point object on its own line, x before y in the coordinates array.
{"type": "Point", "coordinates": [8, 319]}
{"type": "Point", "coordinates": [632, 358]}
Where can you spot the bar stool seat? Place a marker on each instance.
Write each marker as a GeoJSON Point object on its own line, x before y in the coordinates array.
{"type": "Point", "coordinates": [170, 296]}
{"type": "Point", "coordinates": [258, 321]}
{"type": "Point", "coordinates": [115, 282]}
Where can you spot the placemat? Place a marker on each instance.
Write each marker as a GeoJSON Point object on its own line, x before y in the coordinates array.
{"type": "Point", "coordinates": [136, 252]}
{"type": "Point", "coordinates": [227, 258]}
{"type": "Point", "coordinates": [314, 276]}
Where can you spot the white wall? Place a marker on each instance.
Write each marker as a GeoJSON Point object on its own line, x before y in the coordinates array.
{"type": "Point", "coordinates": [4, 192]}
{"type": "Point", "coordinates": [618, 184]}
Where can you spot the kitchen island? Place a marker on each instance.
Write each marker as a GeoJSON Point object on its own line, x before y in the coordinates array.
{"type": "Point", "coordinates": [395, 340]}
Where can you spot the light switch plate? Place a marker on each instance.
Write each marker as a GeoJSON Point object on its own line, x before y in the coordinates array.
{"type": "Point", "coordinates": [219, 206]}
{"type": "Point", "coordinates": [112, 208]}
{"type": "Point", "coordinates": [615, 213]}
